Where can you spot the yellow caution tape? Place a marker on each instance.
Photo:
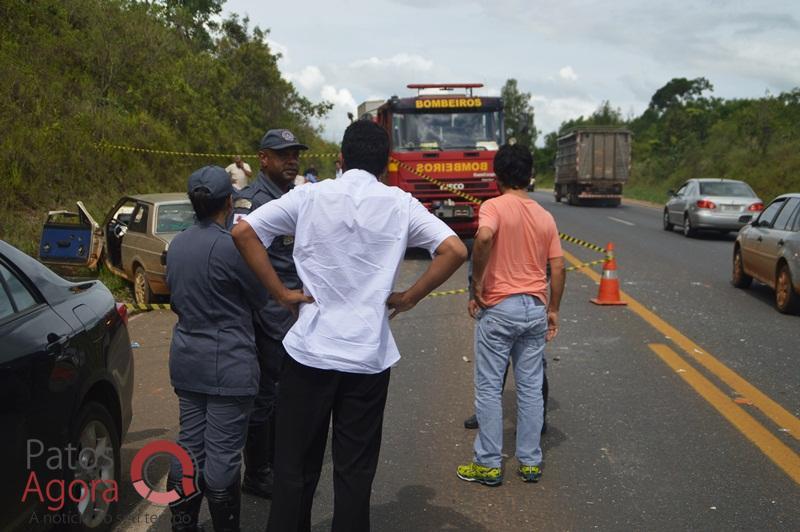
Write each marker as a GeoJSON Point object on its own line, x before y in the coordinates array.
{"type": "Point", "coordinates": [102, 145]}
{"type": "Point", "coordinates": [135, 307]}
{"type": "Point", "coordinates": [443, 185]}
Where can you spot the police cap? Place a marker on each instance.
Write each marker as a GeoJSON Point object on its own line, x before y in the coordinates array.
{"type": "Point", "coordinates": [280, 139]}
{"type": "Point", "coordinates": [212, 178]}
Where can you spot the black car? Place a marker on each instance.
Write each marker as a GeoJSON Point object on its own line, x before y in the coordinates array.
{"type": "Point", "coordinates": [66, 382]}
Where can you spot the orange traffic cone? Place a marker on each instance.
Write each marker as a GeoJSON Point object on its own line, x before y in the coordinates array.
{"type": "Point", "coordinates": [609, 283]}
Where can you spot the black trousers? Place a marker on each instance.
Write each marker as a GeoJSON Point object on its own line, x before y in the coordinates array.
{"type": "Point", "coordinates": [261, 425]}
{"type": "Point", "coordinates": [307, 398]}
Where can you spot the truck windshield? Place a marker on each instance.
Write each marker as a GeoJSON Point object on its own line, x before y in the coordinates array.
{"type": "Point", "coordinates": [174, 218]}
{"type": "Point", "coordinates": [446, 131]}
{"type": "Point", "coordinates": [726, 188]}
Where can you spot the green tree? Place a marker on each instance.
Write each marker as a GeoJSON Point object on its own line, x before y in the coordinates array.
{"type": "Point", "coordinates": [518, 113]}
{"type": "Point", "coordinates": [678, 91]}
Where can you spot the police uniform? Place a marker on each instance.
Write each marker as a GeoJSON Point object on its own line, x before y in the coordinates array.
{"type": "Point", "coordinates": [213, 361]}
{"type": "Point", "coordinates": [272, 322]}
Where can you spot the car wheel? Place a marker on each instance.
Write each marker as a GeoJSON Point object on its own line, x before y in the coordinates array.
{"type": "Point", "coordinates": [688, 230]}
{"type": "Point", "coordinates": [666, 223]}
{"type": "Point", "coordinates": [786, 300]}
{"type": "Point", "coordinates": [98, 466]}
{"type": "Point", "coordinates": [739, 279]}
{"type": "Point", "coordinates": [141, 288]}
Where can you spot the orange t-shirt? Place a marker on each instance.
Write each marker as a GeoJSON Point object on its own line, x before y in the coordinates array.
{"type": "Point", "coordinates": [525, 237]}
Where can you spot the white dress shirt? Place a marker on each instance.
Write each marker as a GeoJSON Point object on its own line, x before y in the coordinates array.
{"type": "Point", "coordinates": [351, 235]}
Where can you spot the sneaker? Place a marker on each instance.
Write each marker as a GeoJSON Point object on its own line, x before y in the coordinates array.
{"type": "Point", "coordinates": [530, 473]}
{"type": "Point", "coordinates": [488, 476]}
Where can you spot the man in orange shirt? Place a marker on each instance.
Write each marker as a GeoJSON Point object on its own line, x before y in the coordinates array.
{"type": "Point", "coordinates": [516, 316]}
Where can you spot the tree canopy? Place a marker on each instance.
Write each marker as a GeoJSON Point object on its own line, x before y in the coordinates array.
{"type": "Point", "coordinates": [157, 74]}
{"type": "Point", "coordinates": [518, 113]}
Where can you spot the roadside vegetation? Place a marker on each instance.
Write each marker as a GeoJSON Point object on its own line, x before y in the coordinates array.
{"type": "Point", "coordinates": [687, 133]}
{"type": "Point", "coordinates": [155, 74]}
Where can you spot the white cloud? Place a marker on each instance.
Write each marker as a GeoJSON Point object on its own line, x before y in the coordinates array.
{"type": "Point", "coordinates": [309, 78]}
{"type": "Point", "coordinates": [282, 49]}
{"type": "Point", "coordinates": [402, 60]}
{"type": "Point", "coordinates": [568, 73]}
{"type": "Point", "coordinates": [550, 112]}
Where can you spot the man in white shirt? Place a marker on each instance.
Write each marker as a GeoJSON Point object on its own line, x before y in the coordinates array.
{"type": "Point", "coordinates": [351, 235]}
{"type": "Point", "coordinates": [240, 172]}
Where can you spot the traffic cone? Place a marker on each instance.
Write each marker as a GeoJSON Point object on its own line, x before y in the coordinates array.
{"type": "Point", "coordinates": [609, 283]}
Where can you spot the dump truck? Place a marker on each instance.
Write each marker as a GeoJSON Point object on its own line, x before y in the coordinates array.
{"type": "Point", "coordinates": [443, 143]}
{"type": "Point", "coordinates": [593, 165]}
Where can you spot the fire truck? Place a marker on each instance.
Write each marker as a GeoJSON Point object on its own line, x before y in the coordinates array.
{"type": "Point", "coordinates": [443, 142]}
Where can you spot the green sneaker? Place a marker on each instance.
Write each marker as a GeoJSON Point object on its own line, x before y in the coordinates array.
{"type": "Point", "coordinates": [488, 476]}
{"type": "Point", "coordinates": [530, 473]}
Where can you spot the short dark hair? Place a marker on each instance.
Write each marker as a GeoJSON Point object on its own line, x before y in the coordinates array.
{"type": "Point", "coordinates": [365, 146]}
{"type": "Point", "coordinates": [513, 165]}
{"type": "Point", "coordinates": [204, 205]}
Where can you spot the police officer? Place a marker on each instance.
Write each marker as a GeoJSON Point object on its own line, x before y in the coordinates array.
{"type": "Point", "coordinates": [213, 363]}
{"type": "Point", "coordinates": [278, 156]}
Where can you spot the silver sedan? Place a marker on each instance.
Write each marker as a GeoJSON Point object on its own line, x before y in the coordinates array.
{"type": "Point", "coordinates": [768, 249]}
{"type": "Point", "coordinates": [714, 204]}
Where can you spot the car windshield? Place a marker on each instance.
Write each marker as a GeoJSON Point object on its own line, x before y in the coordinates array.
{"type": "Point", "coordinates": [174, 218]}
{"type": "Point", "coordinates": [443, 131]}
{"type": "Point", "coordinates": [727, 188]}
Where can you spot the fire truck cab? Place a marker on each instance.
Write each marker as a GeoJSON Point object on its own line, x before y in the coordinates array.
{"type": "Point", "coordinates": [443, 142]}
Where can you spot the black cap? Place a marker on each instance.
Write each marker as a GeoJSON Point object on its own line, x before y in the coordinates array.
{"type": "Point", "coordinates": [212, 178]}
{"type": "Point", "coordinates": [280, 139]}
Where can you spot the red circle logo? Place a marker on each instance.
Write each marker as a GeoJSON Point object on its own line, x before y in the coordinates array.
{"type": "Point", "coordinates": [143, 485]}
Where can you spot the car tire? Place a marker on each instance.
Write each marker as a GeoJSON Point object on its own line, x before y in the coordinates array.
{"type": "Point", "coordinates": [665, 223]}
{"type": "Point", "coordinates": [739, 278]}
{"type": "Point", "coordinates": [142, 294]}
{"type": "Point", "coordinates": [688, 230]}
{"type": "Point", "coordinates": [786, 299]}
{"type": "Point", "coordinates": [94, 428]}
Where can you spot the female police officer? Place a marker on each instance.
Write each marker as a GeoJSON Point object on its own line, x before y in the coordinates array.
{"type": "Point", "coordinates": [212, 361]}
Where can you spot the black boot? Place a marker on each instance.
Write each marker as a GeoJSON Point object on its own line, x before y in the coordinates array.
{"type": "Point", "coordinates": [258, 477]}
{"type": "Point", "coordinates": [471, 422]}
{"type": "Point", "coordinates": [224, 506]}
{"type": "Point", "coordinates": [185, 512]}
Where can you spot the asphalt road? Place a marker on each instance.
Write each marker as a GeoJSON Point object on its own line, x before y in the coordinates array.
{"type": "Point", "coordinates": [702, 436]}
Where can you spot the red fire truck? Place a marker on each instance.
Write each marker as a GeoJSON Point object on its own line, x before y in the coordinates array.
{"type": "Point", "coordinates": [443, 141]}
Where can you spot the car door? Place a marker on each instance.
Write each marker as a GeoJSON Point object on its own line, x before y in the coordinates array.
{"type": "Point", "coordinates": [677, 205]}
{"type": "Point", "coordinates": [759, 256]}
{"type": "Point", "coordinates": [32, 336]}
{"type": "Point", "coordinates": [774, 238]}
{"type": "Point", "coordinates": [135, 242]}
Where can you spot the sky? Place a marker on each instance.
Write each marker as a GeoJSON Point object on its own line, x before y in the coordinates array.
{"type": "Point", "coordinates": [570, 55]}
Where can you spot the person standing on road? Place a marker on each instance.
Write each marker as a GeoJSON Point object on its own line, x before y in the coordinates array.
{"type": "Point", "coordinates": [240, 172]}
{"type": "Point", "coordinates": [278, 155]}
{"type": "Point", "coordinates": [515, 242]}
{"type": "Point", "coordinates": [212, 358]}
{"type": "Point", "coordinates": [351, 235]}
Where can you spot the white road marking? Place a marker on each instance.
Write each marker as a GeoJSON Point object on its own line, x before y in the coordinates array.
{"type": "Point", "coordinates": [621, 221]}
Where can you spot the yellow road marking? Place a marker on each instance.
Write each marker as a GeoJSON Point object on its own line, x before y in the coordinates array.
{"type": "Point", "coordinates": [780, 416]}
{"type": "Point", "coordinates": [777, 451]}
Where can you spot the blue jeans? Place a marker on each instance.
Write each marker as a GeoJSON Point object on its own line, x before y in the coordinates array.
{"type": "Point", "coordinates": [514, 328]}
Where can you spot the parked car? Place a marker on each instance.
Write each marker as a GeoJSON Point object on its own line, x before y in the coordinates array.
{"type": "Point", "coordinates": [768, 249]}
{"type": "Point", "coordinates": [710, 204]}
{"type": "Point", "coordinates": [66, 382]}
{"type": "Point", "coordinates": [138, 231]}
{"type": "Point", "coordinates": [132, 241]}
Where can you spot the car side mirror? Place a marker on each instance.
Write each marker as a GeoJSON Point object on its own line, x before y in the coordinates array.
{"type": "Point", "coordinates": [745, 218]}
{"type": "Point", "coordinates": [671, 193]}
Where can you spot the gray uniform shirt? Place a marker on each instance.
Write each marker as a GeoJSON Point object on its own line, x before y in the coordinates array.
{"type": "Point", "coordinates": [214, 293]}
{"type": "Point", "coordinates": [273, 319]}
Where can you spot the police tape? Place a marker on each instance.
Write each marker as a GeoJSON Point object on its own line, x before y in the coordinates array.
{"type": "Point", "coordinates": [465, 290]}
{"type": "Point", "coordinates": [136, 307]}
{"type": "Point", "coordinates": [578, 242]}
{"type": "Point", "coordinates": [102, 145]}
{"type": "Point", "coordinates": [441, 184]}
